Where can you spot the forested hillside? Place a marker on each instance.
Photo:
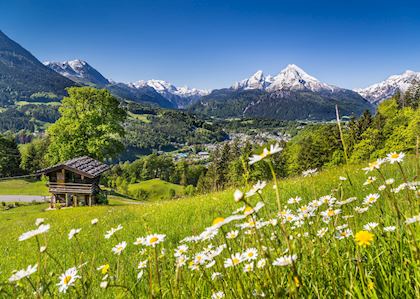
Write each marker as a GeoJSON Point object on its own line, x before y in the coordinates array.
{"type": "Point", "coordinates": [22, 75]}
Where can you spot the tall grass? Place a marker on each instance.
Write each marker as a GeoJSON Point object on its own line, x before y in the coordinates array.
{"type": "Point", "coordinates": [313, 247]}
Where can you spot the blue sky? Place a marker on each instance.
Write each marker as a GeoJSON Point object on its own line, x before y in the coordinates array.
{"type": "Point", "coordinates": [211, 44]}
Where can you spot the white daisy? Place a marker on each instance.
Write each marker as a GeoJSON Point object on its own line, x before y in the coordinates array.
{"type": "Point", "coordinates": [369, 180]}
{"type": "Point", "coordinates": [320, 233]}
{"type": "Point", "coordinates": [234, 260]}
{"type": "Point", "coordinates": [370, 226]}
{"type": "Point", "coordinates": [249, 267]}
{"type": "Point", "coordinates": [344, 234]}
{"type": "Point", "coordinates": [103, 284]}
{"type": "Point", "coordinates": [413, 219]}
{"type": "Point", "coordinates": [74, 232]}
{"type": "Point", "coordinates": [371, 198]}
{"type": "Point", "coordinates": [216, 275]}
{"type": "Point", "coordinates": [232, 234]}
{"type": "Point", "coordinates": [43, 228]}
{"type": "Point", "coordinates": [113, 231]}
{"type": "Point", "coordinates": [389, 228]}
{"type": "Point", "coordinates": [390, 181]}
{"type": "Point", "coordinates": [395, 157]}
{"type": "Point", "coordinates": [374, 165]}
{"type": "Point", "coordinates": [257, 188]}
{"type": "Point", "coordinates": [293, 200]}
{"type": "Point", "coordinates": [218, 295]}
{"type": "Point", "coordinates": [67, 279]}
{"type": "Point", "coordinates": [142, 264]}
{"type": "Point", "coordinates": [285, 260]}
{"type": "Point", "coordinates": [382, 187]}
{"type": "Point", "coordinates": [23, 273]}
{"type": "Point", "coordinates": [250, 254]}
{"type": "Point", "coordinates": [238, 195]}
{"type": "Point", "coordinates": [309, 172]}
{"type": "Point", "coordinates": [181, 250]}
{"type": "Point", "coordinates": [154, 239]}
{"type": "Point", "coordinates": [119, 248]}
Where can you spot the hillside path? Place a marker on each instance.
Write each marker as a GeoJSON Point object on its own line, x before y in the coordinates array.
{"type": "Point", "coordinates": [23, 198]}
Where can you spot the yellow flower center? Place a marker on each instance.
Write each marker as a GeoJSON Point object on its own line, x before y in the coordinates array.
{"type": "Point", "coordinates": [218, 220]}
{"type": "Point", "coordinates": [67, 279]}
{"type": "Point", "coordinates": [395, 156]}
{"type": "Point", "coordinates": [248, 210]}
{"type": "Point", "coordinates": [235, 261]}
{"type": "Point", "coordinates": [153, 240]}
{"type": "Point", "coordinates": [330, 213]}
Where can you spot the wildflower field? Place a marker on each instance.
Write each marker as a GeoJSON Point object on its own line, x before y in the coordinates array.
{"type": "Point", "coordinates": [343, 232]}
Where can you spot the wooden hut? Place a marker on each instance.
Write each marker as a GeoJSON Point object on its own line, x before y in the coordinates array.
{"type": "Point", "coordinates": [75, 182]}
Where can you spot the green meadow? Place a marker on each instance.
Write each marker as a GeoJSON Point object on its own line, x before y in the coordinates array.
{"type": "Point", "coordinates": [298, 261]}
{"type": "Point", "coordinates": [23, 187]}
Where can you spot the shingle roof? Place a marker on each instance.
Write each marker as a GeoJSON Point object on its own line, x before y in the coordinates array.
{"type": "Point", "coordinates": [84, 165]}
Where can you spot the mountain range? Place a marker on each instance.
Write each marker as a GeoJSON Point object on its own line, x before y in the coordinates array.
{"type": "Point", "coordinates": [291, 94]}
{"type": "Point", "coordinates": [158, 91]}
{"type": "Point", "coordinates": [387, 88]}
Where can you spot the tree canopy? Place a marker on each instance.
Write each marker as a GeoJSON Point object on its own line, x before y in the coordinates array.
{"type": "Point", "coordinates": [91, 123]}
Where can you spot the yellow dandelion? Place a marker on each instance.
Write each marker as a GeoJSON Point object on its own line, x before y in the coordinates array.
{"type": "Point", "coordinates": [363, 238]}
{"type": "Point", "coordinates": [104, 269]}
{"type": "Point", "coordinates": [371, 285]}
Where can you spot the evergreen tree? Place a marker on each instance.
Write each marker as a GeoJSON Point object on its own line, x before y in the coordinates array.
{"type": "Point", "coordinates": [9, 157]}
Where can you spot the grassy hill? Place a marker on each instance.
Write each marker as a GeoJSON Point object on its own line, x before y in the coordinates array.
{"type": "Point", "coordinates": [156, 189]}
{"type": "Point", "coordinates": [325, 266]}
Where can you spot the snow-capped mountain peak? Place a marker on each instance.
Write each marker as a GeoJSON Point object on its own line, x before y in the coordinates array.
{"type": "Point", "coordinates": [164, 87]}
{"type": "Point", "coordinates": [79, 71]}
{"type": "Point", "coordinates": [256, 81]}
{"type": "Point", "coordinates": [385, 89]}
{"type": "Point", "coordinates": [294, 78]}
{"type": "Point", "coordinates": [290, 78]}
{"type": "Point", "coordinates": [182, 96]}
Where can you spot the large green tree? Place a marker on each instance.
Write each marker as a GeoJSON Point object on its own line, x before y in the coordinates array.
{"type": "Point", "coordinates": [91, 123]}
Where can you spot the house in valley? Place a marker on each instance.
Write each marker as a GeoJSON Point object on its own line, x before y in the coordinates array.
{"type": "Point", "coordinates": [75, 182]}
